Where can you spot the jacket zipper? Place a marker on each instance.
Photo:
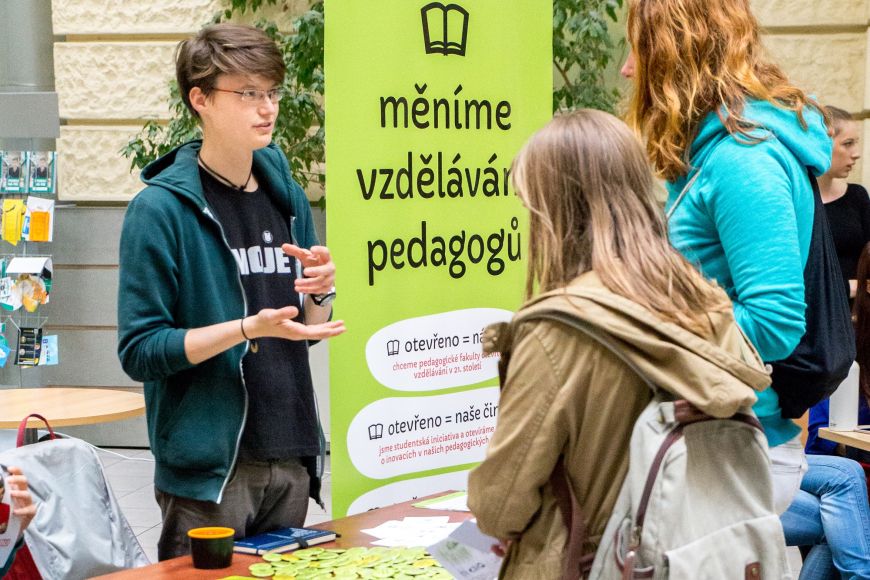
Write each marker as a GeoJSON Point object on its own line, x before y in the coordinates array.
{"type": "Point", "coordinates": [208, 213]}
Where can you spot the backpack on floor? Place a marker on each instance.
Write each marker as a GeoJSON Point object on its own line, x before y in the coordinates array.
{"type": "Point", "coordinates": [79, 530]}
{"type": "Point", "coordinates": [696, 503]}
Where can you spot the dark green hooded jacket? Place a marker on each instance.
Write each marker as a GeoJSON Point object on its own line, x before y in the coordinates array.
{"type": "Point", "coordinates": [177, 273]}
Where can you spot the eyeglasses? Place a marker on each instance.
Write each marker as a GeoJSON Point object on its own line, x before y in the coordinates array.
{"type": "Point", "coordinates": [256, 95]}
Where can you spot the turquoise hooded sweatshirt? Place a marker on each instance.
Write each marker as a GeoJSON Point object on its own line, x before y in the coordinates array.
{"type": "Point", "coordinates": [746, 222]}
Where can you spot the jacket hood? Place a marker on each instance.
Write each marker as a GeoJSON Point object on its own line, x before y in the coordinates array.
{"type": "Point", "coordinates": [811, 145]}
{"type": "Point", "coordinates": [177, 171]}
{"type": "Point", "coordinates": [172, 171]}
{"type": "Point", "coordinates": [718, 372]}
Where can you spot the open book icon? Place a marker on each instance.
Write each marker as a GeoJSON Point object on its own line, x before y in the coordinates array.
{"type": "Point", "coordinates": [445, 28]}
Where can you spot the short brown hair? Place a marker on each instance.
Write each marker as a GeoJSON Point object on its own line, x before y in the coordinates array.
{"type": "Point", "coordinates": [225, 49]}
{"type": "Point", "coordinates": [837, 117]}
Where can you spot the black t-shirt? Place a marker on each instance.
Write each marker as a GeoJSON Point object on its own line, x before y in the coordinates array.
{"type": "Point", "coordinates": [282, 416]}
{"type": "Point", "coordinates": [849, 218]}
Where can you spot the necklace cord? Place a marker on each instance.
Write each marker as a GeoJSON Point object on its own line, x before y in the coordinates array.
{"type": "Point", "coordinates": [220, 177]}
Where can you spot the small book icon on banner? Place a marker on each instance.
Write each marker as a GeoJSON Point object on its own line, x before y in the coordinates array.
{"type": "Point", "coordinates": [445, 28]}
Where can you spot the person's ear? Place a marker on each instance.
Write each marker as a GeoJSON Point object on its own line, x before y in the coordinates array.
{"type": "Point", "coordinates": [198, 99]}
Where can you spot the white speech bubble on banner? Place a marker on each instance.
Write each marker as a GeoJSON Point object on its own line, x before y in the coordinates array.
{"type": "Point", "coordinates": [408, 489]}
{"type": "Point", "coordinates": [402, 435]}
{"type": "Point", "coordinates": [438, 351]}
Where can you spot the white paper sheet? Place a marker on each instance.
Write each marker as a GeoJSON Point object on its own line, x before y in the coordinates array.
{"type": "Point", "coordinates": [412, 531]}
{"type": "Point", "coordinates": [467, 553]}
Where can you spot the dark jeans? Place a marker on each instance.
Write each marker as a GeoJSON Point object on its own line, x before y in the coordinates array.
{"type": "Point", "coordinates": [260, 497]}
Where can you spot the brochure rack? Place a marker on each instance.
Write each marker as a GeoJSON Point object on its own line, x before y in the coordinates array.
{"type": "Point", "coordinates": [29, 124]}
{"type": "Point", "coordinates": [25, 281]}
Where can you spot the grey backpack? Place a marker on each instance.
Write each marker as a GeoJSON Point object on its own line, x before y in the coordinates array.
{"type": "Point", "coordinates": [696, 503]}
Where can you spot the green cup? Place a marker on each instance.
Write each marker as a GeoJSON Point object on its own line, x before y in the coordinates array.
{"type": "Point", "coordinates": [212, 547]}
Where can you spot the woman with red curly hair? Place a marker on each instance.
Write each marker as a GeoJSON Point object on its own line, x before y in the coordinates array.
{"type": "Point", "coordinates": [734, 139]}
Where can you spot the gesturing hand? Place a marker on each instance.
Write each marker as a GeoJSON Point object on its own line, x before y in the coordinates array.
{"type": "Point", "coordinates": [22, 501]}
{"type": "Point", "coordinates": [279, 323]}
{"type": "Point", "coordinates": [317, 267]}
{"type": "Point", "coordinates": [501, 549]}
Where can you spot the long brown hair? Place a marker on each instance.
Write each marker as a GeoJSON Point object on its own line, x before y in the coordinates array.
{"type": "Point", "coordinates": [587, 185]}
{"type": "Point", "coordinates": [693, 57]}
{"type": "Point", "coordinates": [861, 318]}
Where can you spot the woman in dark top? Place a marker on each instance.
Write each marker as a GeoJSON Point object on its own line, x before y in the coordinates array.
{"type": "Point", "coordinates": [846, 204]}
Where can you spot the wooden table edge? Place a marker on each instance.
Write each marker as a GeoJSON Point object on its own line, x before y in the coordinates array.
{"type": "Point", "coordinates": [133, 406]}
{"type": "Point", "coordinates": [858, 439]}
{"type": "Point", "coordinates": [74, 422]}
{"type": "Point", "coordinates": [182, 567]}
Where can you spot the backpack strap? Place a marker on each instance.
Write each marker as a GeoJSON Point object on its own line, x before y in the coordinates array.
{"type": "Point", "coordinates": [499, 338]}
{"type": "Point", "coordinates": [577, 565]}
{"type": "Point", "coordinates": [683, 193]}
{"type": "Point", "coordinates": [576, 323]}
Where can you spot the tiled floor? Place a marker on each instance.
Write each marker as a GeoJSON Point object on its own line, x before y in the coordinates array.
{"type": "Point", "coordinates": [132, 480]}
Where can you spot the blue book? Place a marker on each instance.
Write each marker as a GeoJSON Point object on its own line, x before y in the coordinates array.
{"type": "Point", "coordinates": [283, 540]}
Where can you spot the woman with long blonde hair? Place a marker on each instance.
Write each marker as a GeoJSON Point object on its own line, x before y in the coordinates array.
{"type": "Point", "coordinates": [734, 140]}
{"type": "Point", "coordinates": [598, 250]}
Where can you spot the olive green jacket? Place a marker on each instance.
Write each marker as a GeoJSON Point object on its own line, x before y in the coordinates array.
{"type": "Point", "coordinates": [566, 394]}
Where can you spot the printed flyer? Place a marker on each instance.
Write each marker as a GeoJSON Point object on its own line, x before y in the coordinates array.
{"type": "Point", "coordinates": [428, 104]}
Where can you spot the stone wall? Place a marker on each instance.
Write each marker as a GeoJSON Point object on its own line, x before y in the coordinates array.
{"type": "Point", "coordinates": [113, 60]}
{"type": "Point", "coordinates": [822, 45]}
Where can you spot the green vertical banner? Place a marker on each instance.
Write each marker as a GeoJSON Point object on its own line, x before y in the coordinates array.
{"type": "Point", "coordinates": [427, 104]}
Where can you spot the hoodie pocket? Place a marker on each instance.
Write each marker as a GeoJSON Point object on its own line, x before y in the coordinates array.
{"type": "Point", "coordinates": [197, 435]}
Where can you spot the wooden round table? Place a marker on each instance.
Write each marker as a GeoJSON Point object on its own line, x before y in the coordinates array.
{"type": "Point", "coordinates": [63, 407]}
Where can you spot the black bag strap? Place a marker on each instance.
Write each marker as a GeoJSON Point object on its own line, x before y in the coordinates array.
{"type": "Point", "coordinates": [825, 353]}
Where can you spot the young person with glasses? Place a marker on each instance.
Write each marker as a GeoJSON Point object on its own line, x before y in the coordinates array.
{"type": "Point", "coordinates": [222, 285]}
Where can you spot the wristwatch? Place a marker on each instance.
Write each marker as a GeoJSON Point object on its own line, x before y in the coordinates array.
{"type": "Point", "coordinates": [324, 299]}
